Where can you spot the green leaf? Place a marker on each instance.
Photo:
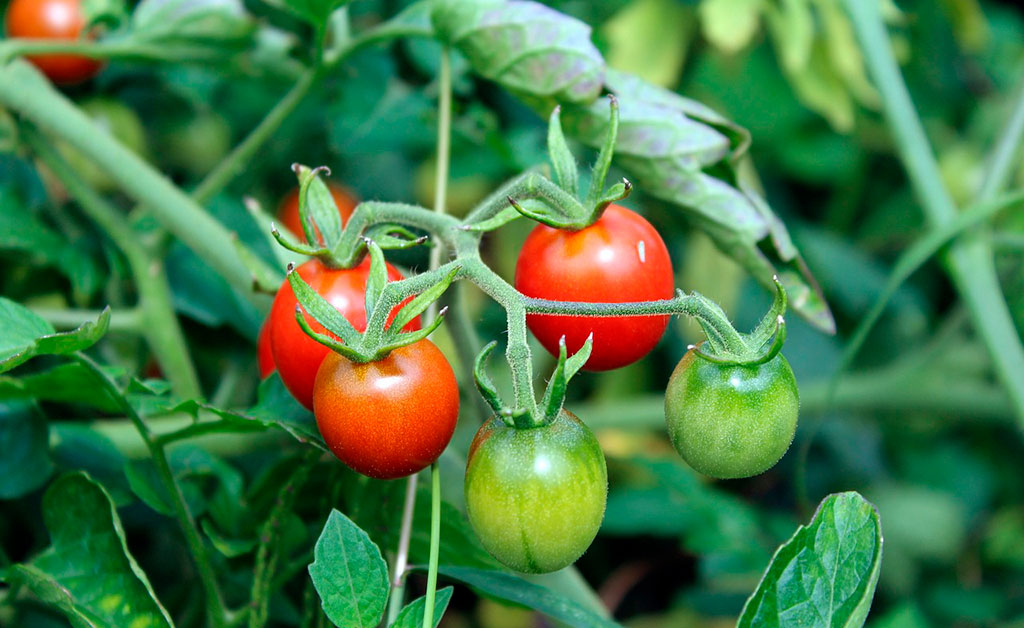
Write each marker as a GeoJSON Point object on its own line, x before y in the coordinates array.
{"type": "Point", "coordinates": [422, 301]}
{"type": "Point", "coordinates": [87, 572]}
{"type": "Point", "coordinates": [826, 574]}
{"type": "Point", "coordinates": [316, 12]}
{"type": "Point", "coordinates": [350, 574]}
{"type": "Point", "coordinates": [276, 406]}
{"type": "Point", "coordinates": [526, 47]}
{"type": "Point", "coordinates": [649, 38]}
{"type": "Point", "coordinates": [23, 335]}
{"type": "Point", "coordinates": [22, 232]}
{"type": "Point", "coordinates": [64, 383]}
{"type": "Point", "coordinates": [412, 615]}
{"type": "Point", "coordinates": [204, 27]}
{"type": "Point", "coordinates": [505, 586]}
{"type": "Point", "coordinates": [24, 450]}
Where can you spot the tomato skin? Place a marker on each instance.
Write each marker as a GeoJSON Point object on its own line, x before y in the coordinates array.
{"type": "Point", "coordinates": [53, 19]}
{"type": "Point", "coordinates": [731, 421]}
{"type": "Point", "coordinates": [288, 212]}
{"type": "Point", "coordinates": [390, 418]}
{"type": "Point", "coordinates": [536, 497]}
{"type": "Point", "coordinates": [264, 356]}
{"type": "Point", "coordinates": [600, 263]}
{"type": "Point", "coordinates": [296, 355]}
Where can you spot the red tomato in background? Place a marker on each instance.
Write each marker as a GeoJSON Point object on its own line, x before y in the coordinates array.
{"type": "Point", "coordinates": [389, 418]}
{"type": "Point", "coordinates": [296, 355]}
{"type": "Point", "coordinates": [619, 258]}
{"type": "Point", "coordinates": [288, 212]}
{"type": "Point", "coordinates": [263, 353]}
{"type": "Point", "coordinates": [53, 19]}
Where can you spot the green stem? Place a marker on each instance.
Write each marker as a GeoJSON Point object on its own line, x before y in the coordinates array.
{"type": "Point", "coordinates": [1003, 160]}
{"type": "Point", "coordinates": [120, 320]}
{"type": "Point", "coordinates": [444, 125]}
{"type": "Point", "coordinates": [435, 543]}
{"type": "Point", "coordinates": [105, 50]}
{"type": "Point", "coordinates": [217, 612]}
{"type": "Point", "coordinates": [971, 265]}
{"type": "Point", "coordinates": [397, 599]}
{"type": "Point", "coordinates": [156, 317]}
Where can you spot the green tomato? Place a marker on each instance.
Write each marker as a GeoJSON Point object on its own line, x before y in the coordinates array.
{"type": "Point", "coordinates": [120, 121]}
{"type": "Point", "coordinates": [536, 496]}
{"type": "Point", "coordinates": [731, 421]}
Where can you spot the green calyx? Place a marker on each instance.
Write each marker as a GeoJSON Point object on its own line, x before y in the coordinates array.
{"type": "Point", "coordinates": [554, 395]}
{"type": "Point", "coordinates": [725, 345]}
{"type": "Point", "coordinates": [324, 231]}
{"type": "Point", "coordinates": [382, 298]}
{"type": "Point", "coordinates": [570, 211]}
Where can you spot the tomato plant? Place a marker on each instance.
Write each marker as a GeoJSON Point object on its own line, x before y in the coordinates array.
{"type": "Point", "coordinates": [619, 258]}
{"type": "Point", "coordinates": [731, 421]}
{"type": "Point", "coordinates": [53, 19]}
{"type": "Point", "coordinates": [390, 417]}
{"type": "Point", "coordinates": [297, 356]}
{"type": "Point", "coordinates": [288, 211]}
{"type": "Point", "coordinates": [536, 496]}
{"type": "Point", "coordinates": [118, 120]}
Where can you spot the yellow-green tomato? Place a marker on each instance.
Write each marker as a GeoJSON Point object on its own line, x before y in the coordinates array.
{"type": "Point", "coordinates": [731, 421]}
{"type": "Point", "coordinates": [536, 496]}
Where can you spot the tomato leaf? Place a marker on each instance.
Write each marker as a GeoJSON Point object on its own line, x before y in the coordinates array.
{"type": "Point", "coordinates": [24, 450]}
{"type": "Point", "coordinates": [526, 47]}
{"type": "Point", "coordinates": [23, 335]}
{"type": "Point", "coordinates": [510, 588]}
{"type": "Point", "coordinates": [316, 12]}
{"type": "Point", "coordinates": [87, 572]}
{"type": "Point", "coordinates": [204, 27]}
{"type": "Point", "coordinates": [840, 552]}
{"type": "Point", "coordinates": [350, 574]}
{"type": "Point", "coordinates": [412, 615]}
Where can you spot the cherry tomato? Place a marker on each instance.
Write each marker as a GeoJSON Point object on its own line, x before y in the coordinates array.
{"type": "Point", "coordinates": [731, 421]}
{"type": "Point", "coordinates": [619, 258]}
{"type": "Point", "coordinates": [296, 355]}
{"type": "Point", "coordinates": [53, 19]}
{"type": "Point", "coordinates": [288, 212]}
{"type": "Point", "coordinates": [389, 418]}
{"type": "Point", "coordinates": [263, 353]}
{"type": "Point", "coordinates": [536, 496]}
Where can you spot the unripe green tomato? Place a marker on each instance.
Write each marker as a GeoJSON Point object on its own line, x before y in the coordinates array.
{"type": "Point", "coordinates": [120, 121]}
{"type": "Point", "coordinates": [731, 421]}
{"type": "Point", "coordinates": [196, 145]}
{"type": "Point", "coordinates": [536, 496]}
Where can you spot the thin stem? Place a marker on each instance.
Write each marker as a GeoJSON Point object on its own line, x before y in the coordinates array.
{"type": "Point", "coordinates": [105, 50]}
{"type": "Point", "coordinates": [1003, 159]}
{"type": "Point", "coordinates": [217, 612]}
{"type": "Point", "coordinates": [402, 555]}
{"type": "Point", "coordinates": [120, 320]}
{"type": "Point", "coordinates": [971, 265]}
{"type": "Point", "coordinates": [444, 125]}
{"type": "Point", "coordinates": [157, 319]}
{"type": "Point", "coordinates": [435, 543]}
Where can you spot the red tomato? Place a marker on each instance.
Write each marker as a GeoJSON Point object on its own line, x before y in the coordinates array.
{"type": "Point", "coordinates": [53, 19]}
{"type": "Point", "coordinates": [296, 355]}
{"type": "Point", "coordinates": [389, 418]}
{"type": "Point", "coordinates": [263, 353]}
{"type": "Point", "coordinates": [288, 212]}
{"type": "Point", "coordinates": [619, 258]}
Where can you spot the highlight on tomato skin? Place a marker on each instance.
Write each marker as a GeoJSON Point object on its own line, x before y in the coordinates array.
{"type": "Point", "coordinates": [296, 355]}
{"type": "Point", "coordinates": [389, 418]}
{"type": "Point", "coordinates": [53, 19]}
{"type": "Point", "coordinates": [288, 211]}
{"type": "Point", "coordinates": [620, 258]}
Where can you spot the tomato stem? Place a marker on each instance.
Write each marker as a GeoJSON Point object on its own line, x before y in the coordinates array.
{"type": "Point", "coordinates": [435, 543]}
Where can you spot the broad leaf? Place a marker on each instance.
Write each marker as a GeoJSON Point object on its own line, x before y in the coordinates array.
{"type": "Point", "coordinates": [510, 588]}
{"type": "Point", "coordinates": [412, 615]}
{"type": "Point", "coordinates": [526, 47]}
{"type": "Point", "coordinates": [216, 26]}
{"type": "Point", "coordinates": [23, 335]}
{"type": "Point", "coordinates": [315, 12]}
{"type": "Point", "coordinates": [826, 574]}
{"type": "Point", "coordinates": [64, 383]}
{"type": "Point", "coordinates": [87, 572]}
{"type": "Point", "coordinates": [24, 450]}
{"type": "Point", "coordinates": [350, 574]}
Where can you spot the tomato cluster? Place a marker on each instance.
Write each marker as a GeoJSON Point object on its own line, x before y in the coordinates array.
{"type": "Point", "coordinates": [53, 19]}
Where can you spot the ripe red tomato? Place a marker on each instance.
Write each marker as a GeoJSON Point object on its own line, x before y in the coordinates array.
{"type": "Point", "coordinates": [263, 353]}
{"type": "Point", "coordinates": [389, 418]}
{"type": "Point", "coordinates": [296, 355]}
{"type": "Point", "coordinates": [288, 212]}
{"type": "Point", "coordinates": [619, 258]}
{"type": "Point", "coordinates": [53, 19]}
